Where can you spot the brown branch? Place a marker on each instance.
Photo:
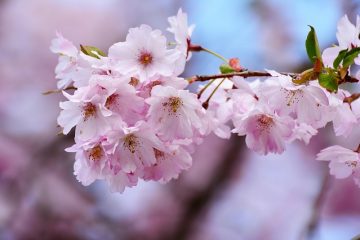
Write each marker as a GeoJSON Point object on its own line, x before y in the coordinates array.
{"type": "Point", "coordinates": [245, 74]}
{"type": "Point", "coordinates": [351, 98]}
{"type": "Point", "coordinates": [59, 90]}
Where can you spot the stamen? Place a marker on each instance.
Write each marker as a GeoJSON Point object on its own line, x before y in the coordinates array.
{"type": "Point", "coordinates": [131, 142]}
{"type": "Point", "coordinates": [111, 100]}
{"type": "Point", "coordinates": [173, 104]}
{"type": "Point", "coordinates": [264, 122]}
{"type": "Point", "coordinates": [351, 164]}
{"type": "Point", "coordinates": [134, 81]}
{"type": "Point", "coordinates": [89, 110]}
{"type": "Point", "coordinates": [96, 153]}
{"type": "Point", "coordinates": [145, 58]}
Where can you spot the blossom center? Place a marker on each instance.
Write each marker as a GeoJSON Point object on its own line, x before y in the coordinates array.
{"type": "Point", "coordinates": [352, 164]}
{"type": "Point", "coordinates": [264, 122]}
{"type": "Point", "coordinates": [145, 58]}
{"type": "Point", "coordinates": [134, 81]}
{"type": "Point", "coordinates": [131, 142]}
{"type": "Point", "coordinates": [173, 104]}
{"type": "Point", "coordinates": [89, 110]}
{"type": "Point", "coordinates": [96, 153]}
{"type": "Point", "coordinates": [111, 100]}
{"type": "Point", "coordinates": [293, 96]}
{"type": "Point", "coordinates": [159, 154]}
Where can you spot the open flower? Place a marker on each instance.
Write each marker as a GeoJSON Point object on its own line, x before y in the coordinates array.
{"type": "Point", "coordinates": [174, 114]}
{"type": "Point", "coordinates": [119, 98]}
{"type": "Point", "coordinates": [144, 54]}
{"type": "Point", "coordinates": [343, 162]}
{"type": "Point", "coordinates": [87, 114]}
{"type": "Point", "coordinates": [265, 131]}
{"type": "Point", "coordinates": [220, 107]}
{"type": "Point", "coordinates": [181, 30]}
{"type": "Point", "coordinates": [90, 160]}
{"type": "Point", "coordinates": [73, 67]}
{"type": "Point", "coordinates": [168, 164]}
{"type": "Point", "coordinates": [304, 102]}
{"type": "Point", "coordinates": [343, 117]}
{"type": "Point", "coordinates": [133, 147]}
{"type": "Point", "coordinates": [348, 38]}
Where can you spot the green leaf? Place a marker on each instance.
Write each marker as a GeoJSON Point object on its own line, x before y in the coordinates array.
{"type": "Point", "coordinates": [312, 46]}
{"type": "Point", "coordinates": [339, 58]}
{"type": "Point", "coordinates": [350, 56]}
{"type": "Point", "coordinates": [225, 68]}
{"type": "Point", "coordinates": [329, 80]}
{"type": "Point", "coordinates": [92, 51]}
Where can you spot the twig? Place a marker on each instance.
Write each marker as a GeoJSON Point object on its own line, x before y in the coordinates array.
{"type": "Point", "coordinates": [245, 74]}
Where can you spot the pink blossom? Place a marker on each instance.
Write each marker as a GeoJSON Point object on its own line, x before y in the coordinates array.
{"type": "Point", "coordinates": [119, 180]}
{"type": "Point", "coordinates": [303, 132]}
{"type": "Point", "coordinates": [244, 97]}
{"type": "Point", "coordinates": [265, 131]}
{"type": "Point", "coordinates": [87, 114]}
{"type": "Point", "coordinates": [348, 33]}
{"type": "Point", "coordinates": [348, 38]}
{"type": "Point", "coordinates": [90, 160]}
{"type": "Point", "coordinates": [73, 67]}
{"type": "Point", "coordinates": [306, 103]}
{"type": "Point", "coordinates": [61, 45]}
{"type": "Point", "coordinates": [181, 30]}
{"type": "Point", "coordinates": [168, 164]}
{"type": "Point", "coordinates": [144, 54]}
{"type": "Point", "coordinates": [220, 107]}
{"type": "Point", "coordinates": [343, 117]}
{"type": "Point", "coordinates": [175, 114]}
{"type": "Point", "coordinates": [182, 34]}
{"type": "Point", "coordinates": [119, 97]}
{"type": "Point", "coordinates": [175, 82]}
{"type": "Point", "coordinates": [343, 161]}
{"type": "Point", "coordinates": [133, 147]}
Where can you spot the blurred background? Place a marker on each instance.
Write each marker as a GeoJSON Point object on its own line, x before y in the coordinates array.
{"type": "Point", "coordinates": [229, 193]}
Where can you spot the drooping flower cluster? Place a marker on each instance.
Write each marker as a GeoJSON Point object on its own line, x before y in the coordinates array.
{"type": "Point", "coordinates": [134, 118]}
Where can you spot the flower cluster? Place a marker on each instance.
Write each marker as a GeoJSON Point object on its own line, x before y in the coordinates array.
{"type": "Point", "coordinates": [134, 118]}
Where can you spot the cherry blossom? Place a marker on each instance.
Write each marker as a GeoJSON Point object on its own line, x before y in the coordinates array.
{"type": "Point", "coordinates": [144, 54]}
{"type": "Point", "coordinates": [304, 102]}
{"type": "Point", "coordinates": [135, 117]}
{"type": "Point", "coordinates": [119, 97]}
{"type": "Point", "coordinates": [343, 118]}
{"type": "Point", "coordinates": [168, 164]}
{"type": "Point", "coordinates": [265, 131]}
{"type": "Point", "coordinates": [343, 162]}
{"type": "Point", "coordinates": [87, 114]}
{"type": "Point", "coordinates": [348, 38]}
{"type": "Point", "coordinates": [175, 114]}
{"type": "Point", "coordinates": [220, 108]}
{"type": "Point", "coordinates": [133, 147]}
{"type": "Point", "coordinates": [90, 160]}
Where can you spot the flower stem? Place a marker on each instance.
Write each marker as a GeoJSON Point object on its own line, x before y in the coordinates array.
{"type": "Point", "coordinates": [214, 54]}
{"type": "Point", "coordinates": [206, 103]}
{"type": "Point", "coordinates": [205, 87]}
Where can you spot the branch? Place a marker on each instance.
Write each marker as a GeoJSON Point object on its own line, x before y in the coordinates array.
{"type": "Point", "coordinates": [351, 98]}
{"type": "Point", "coordinates": [245, 74]}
